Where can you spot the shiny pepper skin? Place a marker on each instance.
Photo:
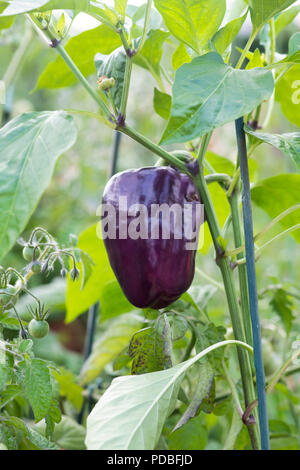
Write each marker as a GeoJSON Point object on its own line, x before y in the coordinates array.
{"type": "Point", "coordinates": [152, 273]}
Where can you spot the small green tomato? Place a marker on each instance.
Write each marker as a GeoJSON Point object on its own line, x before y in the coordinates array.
{"type": "Point", "coordinates": [38, 328]}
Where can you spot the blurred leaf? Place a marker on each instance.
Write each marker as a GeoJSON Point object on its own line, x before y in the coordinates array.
{"type": "Point", "coordinates": [282, 305]}
{"type": "Point", "coordinates": [276, 194]}
{"type": "Point", "coordinates": [207, 93]}
{"type": "Point", "coordinates": [111, 343]}
{"type": "Point", "coordinates": [82, 49]}
{"type": "Point", "coordinates": [68, 434]}
{"type": "Point", "coordinates": [202, 391]}
{"type": "Point", "coordinates": [162, 103]}
{"type": "Point", "coordinates": [285, 18]}
{"type": "Point", "coordinates": [68, 387]}
{"type": "Point", "coordinates": [38, 387]}
{"type": "Point", "coordinates": [289, 144]}
{"type": "Point", "coordinates": [120, 7]}
{"type": "Point", "coordinates": [149, 56]}
{"type": "Point", "coordinates": [77, 300]}
{"type": "Point", "coordinates": [288, 94]}
{"type": "Point", "coordinates": [191, 436]}
{"type": "Point", "coordinates": [193, 23]}
{"type": "Point", "coordinates": [151, 348]}
{"type": "Point", "coordinates": [113, 301]}
{"type": "Point", "coordinates": [261, 12]}
{"type": "Point", "coordinates": [52, 418]}
{"type": "Point", "coordinates": [113, 66]}
{"type": "Point", "coordinates": [224, 37]}
{"type": "Point", "coordinates": [29, 145]}
{"type": "Point", "coordinates": [87, 268]}
{"type": "Point", "coordinates": [16, 7]}
{"type": "Point", "coordinates": [180, 57]}
{"type": "Point", "coordinates": [284, 442]}
{"type": "Point", "coordinates": [294, 42]}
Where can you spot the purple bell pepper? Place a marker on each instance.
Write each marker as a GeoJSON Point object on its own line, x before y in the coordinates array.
{"type": "Point", "coordinates": [153, 269]}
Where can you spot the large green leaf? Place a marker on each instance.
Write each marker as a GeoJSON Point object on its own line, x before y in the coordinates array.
{"type": "Point", "coordinates": [263, 11]}
{"type": "Point", "coordinates": [150, 55]}
{"type": "Point", "coordinates": [99, 283]}
{"type": "Point", "coordinates": [115, 339]}
{"type": "Point", "coordinates": [275, 195]}
{"type": "Point", "coordinates": [16, 7]}
{"type": "Point", "coordinates": [132, 411]}
{"type": "Point", "coordinates": [207, 93]}
{"type": "Point", "coordinates": [289, 144]}
{"type": "Point", "coordinates": [82, 49]}
{"type": "Point", "coordinates": [193, 22]}
{"type": "Point", "coordinates": [29, 147]}
{"type": "Point", "coordinates": [288, 94]}
{"type": "Point", "coordinates": [162, 103]}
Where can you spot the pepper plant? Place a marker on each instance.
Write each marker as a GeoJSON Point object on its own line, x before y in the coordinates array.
{"type": "Point", "coordinates": [173, 361]}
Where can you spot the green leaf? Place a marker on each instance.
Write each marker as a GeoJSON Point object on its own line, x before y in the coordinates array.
{"type": "Point", "coordinates": [110, 345]}
{"type": "Point", "coordinates": [120, 7]}
{"type": "Point", "coordinates": [294, 43]}
{"type": "Point", "coordinates": [68, 434]}
{"type": "Point", "coordinates": [207, 93]}
{"type": "Point", "coordinates": [208, 335]}
{"type": "Point", "coordinates": [52, 418]}
{"type": "Point", "coordinates": [162, 103]}
{"type": "Point", "coordinates": [282, 305]}
{"type": "Point", "coordinates": [224, 37]}
{"type": "Point", "coordinates": [151, 348]}
{"type": "Point", "coordinates": [38, 387]}
{"type": "Point", "coordinates": [193, 22]}
{"type": "Point", "coordinates": [29, 145]}
{"type": "Point", "coordinates": [82, 49]}
{"type": "Point", "coordinates": [113, 301]}
{"type": "Point", "coordinates": [132, 411]}
{"type": "Point", "coordinates": [113, 66]}
{"type": "Point", "coordinates": [16, 7]}
{"type": "Point", "coordinates": [285, 18]}
{"type": "Point", "coordinates": [68, 387]}
{"type": "Point", "coordinates": [288, 94]}
{"type": "Point", "coordinates": [149, 56]}
{"type": "Point", "coordinates": [180, 56]}
{"type": "Point", "coordinates": [192, 436]}
{"type": "Point", "coordinates": [276, 194]}
{"type": "Point", "coordinates": [202, 391]}
{"type": "Point", "coordinates": [289, 144]}
{"type": "Point", "coordinates": [262, 11]}
{"type": "Point", "coordinates": [79, 300]}
{"type": "Point", "coordinates": [255, 61]}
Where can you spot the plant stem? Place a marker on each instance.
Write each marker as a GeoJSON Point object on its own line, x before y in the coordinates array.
{"type": "Point", "coordinates": [221, 178]}
{"type": "Point", "coordinates": [233, 390]}
{"type": "Point", "coordinates": [246, 49]}
{"type": "Point", "coordinates": [146, 25]}
{"type": "Point", "coordinates": [273, 40]}
{"type": "Point", "coordinates": [203, 147]}
{"type": "Point", "coordinates": [252, 285]}
{"type": "Point", "coordinates": [171, 159]}
{"type": "Point", "coordinates": [125, 91]}
{"type": "Point", "coordinates": [65, 56]}
{"type": "Point", "coordinates": [237, 323]}
{"type": "Point", "coordinates": [242, 272]}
